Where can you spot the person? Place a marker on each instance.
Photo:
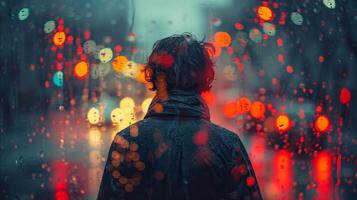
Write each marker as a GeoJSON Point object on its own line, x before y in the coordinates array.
{"type": "Point", "coordinates": [176, 152]}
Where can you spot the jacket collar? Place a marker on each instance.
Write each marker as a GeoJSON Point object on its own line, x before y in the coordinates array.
{"type": "Point", "coordinates": [179, 103]}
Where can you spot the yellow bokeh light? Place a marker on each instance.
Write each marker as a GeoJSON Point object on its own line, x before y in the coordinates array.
{"type": "Point", "coordinates": [105, 55]}
{"type": "Point", "coordinates": [117, 116]}
{"type": "Point", "coordinates": [93, 116]}
{"type": "Point", "coordinates": [145, 105]}
{"type": "Point", "coordinates": [128, 118]}
{"type": "Point", "coordinates": [129, 114]}
{"type": "Point", "coordinates": [127, 102]}
{"type": "Point", "coordinates": [131, 69]}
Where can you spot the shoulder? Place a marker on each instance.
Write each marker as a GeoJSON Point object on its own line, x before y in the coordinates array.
{"type": "Point", "coordinates": [137, 130]}
{"type": "Point", "coordinates": [229, 139]}
{"type": "Point", "coordinates": [223, 132]}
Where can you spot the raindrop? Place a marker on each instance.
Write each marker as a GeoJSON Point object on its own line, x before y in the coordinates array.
{"type": "Point", "coordinates": [61, 108]}
{"type": "Point", "coordinates": [42, 154]}
{"type": "Point", "coordinates": [20, 160]}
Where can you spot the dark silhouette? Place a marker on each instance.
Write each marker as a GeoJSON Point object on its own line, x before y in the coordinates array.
{"type": "Point", "coordinates": [175, 152]}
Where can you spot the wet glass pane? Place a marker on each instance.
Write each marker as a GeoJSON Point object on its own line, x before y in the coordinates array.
{"type": "Point", "coordinates": [72, 76]}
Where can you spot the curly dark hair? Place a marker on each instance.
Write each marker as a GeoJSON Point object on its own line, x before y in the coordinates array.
{"type": "Point", "coordinates": [183, 61]}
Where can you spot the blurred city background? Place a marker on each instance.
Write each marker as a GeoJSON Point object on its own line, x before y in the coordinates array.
{"type": "Point", "coordinates": [72, 77]}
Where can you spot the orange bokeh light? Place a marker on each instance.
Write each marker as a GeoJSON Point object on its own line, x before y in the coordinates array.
{"type": "Point", "coordinates": [119, 63]}
{"type": "Point", "coordinates": [282, 123]}
{"type": "Point", "coordinates": [243, 105]}
{"type": "Point", "coordinates": [59, 38]}
{"type": "Point", "coordinates": [222, 39]}
{"type": "Point", "coordinates": [265, 13]}
{"type": "Point", "coordinates": [322, 123]}
{"type": "Point", "coordinates": [81, 69]}
{"type": "Point", "coordinates": [230, 109]}
{"type": "Point", "coordinates": [257, 110]}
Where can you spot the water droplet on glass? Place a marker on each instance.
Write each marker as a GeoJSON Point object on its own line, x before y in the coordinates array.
{"type": "Point", "coordinates": [42, 154]}
{"type": "Point", "coordinates": [20, 160]}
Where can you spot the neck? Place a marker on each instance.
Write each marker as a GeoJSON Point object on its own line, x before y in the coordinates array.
{"type": "Point", "coordinates": [178, 103]}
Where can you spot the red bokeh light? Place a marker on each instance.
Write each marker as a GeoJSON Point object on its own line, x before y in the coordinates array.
{"type": "Point", "coordinates": [230, 109]}
{"type": "Point", "coordinates": [200, 138]}
{"type": "Point", "coordinates": [345, 96]}
{"type": "Point", "coordinates": [208, 97]}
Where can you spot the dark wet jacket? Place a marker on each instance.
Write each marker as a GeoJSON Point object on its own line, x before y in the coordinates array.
{"type": "Point", "coordinates": [176, 153]}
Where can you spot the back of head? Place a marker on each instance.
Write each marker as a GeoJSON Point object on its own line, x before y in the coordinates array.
{"type": "Point", "coordinates": [180, 62]}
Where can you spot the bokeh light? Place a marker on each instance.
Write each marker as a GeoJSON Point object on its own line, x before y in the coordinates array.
{"type": "Point", "coordinates": [59, 38]}
{"type": "Point", "coordinates": [58, 79]}
{"type": "Point", "coordinates": [265, 13]}
{"type": "Point", "coordinates": [257, 110]}
{"type": "Point", "coordinates": [243, 105]}
{"type": "Point", "coordinates": [322, 123]}
{"type": "Point", "coordinates": [93, 116]}
{"type": "Point", "coordinates": [119, 63]}
{"type": "Point", "coordinates": [81, 70]}
{"type": "Point", "coordinates": [145, 105]}
{"type": "Point", "coordinates": [127, 102]}
{"type": "Point", "coordinates": [105, 55]}
{"type": "Point", "coordinates": [222, 39]}
{"type": "Point", "coordinates": [73, 76]}
{"type": "Point", "coordinates": [283, 123]}
{"type": "Point", "coordinates": [24, 14]}
{"type": "Point", "coordinates": [49, 26]}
